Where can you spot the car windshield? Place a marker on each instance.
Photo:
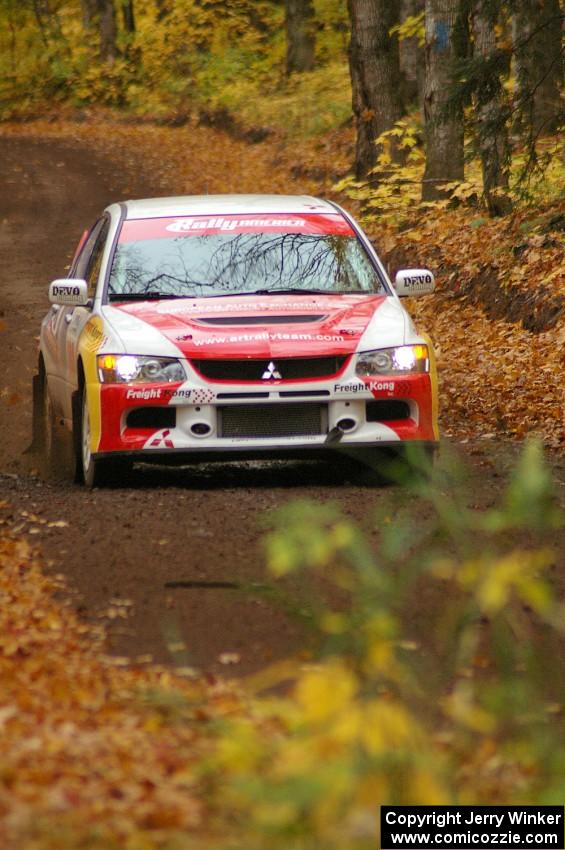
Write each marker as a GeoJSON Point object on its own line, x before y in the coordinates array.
{"type": "Point", "coordinates": [229, 255]}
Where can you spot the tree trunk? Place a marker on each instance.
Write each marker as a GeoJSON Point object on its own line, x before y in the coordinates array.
{"type": "Point", "coordinates": [411, 57]}
{"type": "Point", "coordinates": [163, 9]}
{"type": "Point", "coordinates": [490, 116]}
{"type": "Point", "coordinates": [128, 16]}
{"type": "Point", "coordinates": [108, 30]}
{"type": "Point", "coordinates": [39, 17]}
{"type": "Point", "coordinates": [374, 65]}
{"type": "Point", "coordinates": [537, 27]}
{"type": "Point", "coordinates": [300, 35]}
{"type": "Point", "coordinates": [101, 15]}
{"type": "Point", "coordinates": [89, 13]}
{"type": "Point", "coordinates": [443, 121]}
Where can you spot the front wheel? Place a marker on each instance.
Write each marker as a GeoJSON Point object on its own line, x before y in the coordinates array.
{"type": "Point", "coordinates": [94, 472]}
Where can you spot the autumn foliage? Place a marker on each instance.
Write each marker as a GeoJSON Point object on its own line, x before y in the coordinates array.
{"type": "Point", "coordinates": [462, 708]}
{"type": "Point", "coordinates": [91, 751]}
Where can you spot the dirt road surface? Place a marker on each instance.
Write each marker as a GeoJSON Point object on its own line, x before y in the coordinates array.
{"type": "Point", "coordinates": [169, 539]}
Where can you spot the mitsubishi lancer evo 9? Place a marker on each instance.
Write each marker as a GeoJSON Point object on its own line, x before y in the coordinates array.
{"type": "Point", "coordinates": [231, 326]}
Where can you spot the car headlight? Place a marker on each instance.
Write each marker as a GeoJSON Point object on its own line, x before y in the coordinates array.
{"type": "Point", "coordinates": [404, 359]}
{"type": "Point", "coordinates": [128, 368]}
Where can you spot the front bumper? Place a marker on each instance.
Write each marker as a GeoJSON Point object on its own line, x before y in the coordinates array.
{"type": "Point", "coordinates": [257, 420]}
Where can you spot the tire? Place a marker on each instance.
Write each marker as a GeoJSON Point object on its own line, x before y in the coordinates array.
{"type": "Point", "coordinates": [93, 472]}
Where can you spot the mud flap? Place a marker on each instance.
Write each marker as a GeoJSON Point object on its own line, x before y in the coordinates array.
{"type": "Point", "coordinates": [76, 405]}
{"type": "Point", "coordinates": [36, 416]}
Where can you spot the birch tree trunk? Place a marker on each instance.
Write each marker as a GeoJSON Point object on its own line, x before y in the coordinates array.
{"type": "Point", "coordinates": [490, 116]}
{"type": "Point", "coordinates": [374, 65]}
{"type": "Point", "coordinates": [445, 26]}
{"type": "Point", "coordinates": [300, 35]}
{"type": "Point", "coordinates": [537, 27]}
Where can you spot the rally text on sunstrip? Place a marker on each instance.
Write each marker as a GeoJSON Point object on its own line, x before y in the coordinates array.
{"type": "Point", "coordinates": [472, 826]}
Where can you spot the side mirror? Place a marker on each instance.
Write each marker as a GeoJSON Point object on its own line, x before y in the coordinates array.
{"type": "Point", "coordinates": [414, 282]}
{"type": "Point", "coordinates": [73, 293]}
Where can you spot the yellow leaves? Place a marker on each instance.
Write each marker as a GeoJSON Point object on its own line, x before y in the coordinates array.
{"type": "Point", "coordinates": [334, 623]}
{"type": "Point", "coordinates": [387, 726]}
{"type": "Point", "coordinates": [412, 26]}
{"type": "Point", "coordinates": [380, 634]}
{"type": "Point", "coordinates": [314, 545]}
{"type": "Point", "coordinates": [493, 580]}
{"type": "Point", "coordinates": [461, 708]}
{"type": "Point", "coordinates": [241, 750]}
{"type": "Point", "coordinates": [426, 789]}
{"type": "Point", "coordinates": [380, 657]}
{"type": "Point", "coordinates": [326, 691]}
{"type": "Point", "coordinates": [517, 572]}
{"type": "Point", "coordinates": [465, 190]}
{"type": "Point", "coordinates": [274, 815]}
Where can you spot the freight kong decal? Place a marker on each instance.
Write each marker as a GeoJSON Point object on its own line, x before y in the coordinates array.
{"type": "Point", "coordinates": [188, 395]}
{"type": "Point", "coordinates": [398, 388]}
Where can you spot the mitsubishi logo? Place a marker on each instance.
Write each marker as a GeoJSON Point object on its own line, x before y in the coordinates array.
{"type": "Point", "coordinates": [271, 373]}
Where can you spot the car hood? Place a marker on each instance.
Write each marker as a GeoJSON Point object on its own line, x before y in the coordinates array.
{"type": "Point", "coordinates": [259, 326]}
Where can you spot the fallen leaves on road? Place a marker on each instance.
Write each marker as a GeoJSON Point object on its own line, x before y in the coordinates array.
{"type": "Point", "coordinates": [93, 752]}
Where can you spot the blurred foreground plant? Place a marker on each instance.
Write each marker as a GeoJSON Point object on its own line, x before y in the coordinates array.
{"type": "Point", "coordinates": [438, 678]}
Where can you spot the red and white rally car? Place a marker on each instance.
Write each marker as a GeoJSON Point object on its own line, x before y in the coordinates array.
{"type": "Point", "coordinates": [231, 326]}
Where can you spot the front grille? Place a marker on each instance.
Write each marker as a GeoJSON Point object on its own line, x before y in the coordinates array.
{"type": "Point", "coordinates": [302, 393]}
{"type": "Point", "coordinates": [151, 417]}
{"type": "Point", "coordinates": [289, 368]}
{"type": "Point", "coordinates": [242, 395]}
{"type": "Point", "coordinates": [265, 319]}
{"type": "Point", "coordinates": [272, 420]}
{"type": "Point", "coordinates": [387, 410]}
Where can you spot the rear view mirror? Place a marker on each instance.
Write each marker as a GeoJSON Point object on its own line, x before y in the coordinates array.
{"type": "Point", "coordinates": [414, 282]}
{"type": "Point", "coordinates": [70, 292]}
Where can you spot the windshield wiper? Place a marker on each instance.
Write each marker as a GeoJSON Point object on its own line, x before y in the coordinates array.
{"type": "Point", "coordinates": [289, 290]}
{"type": "Point", "coordinates": [297, 290]}
{"type": "Point", "coordinates": [143, 296]}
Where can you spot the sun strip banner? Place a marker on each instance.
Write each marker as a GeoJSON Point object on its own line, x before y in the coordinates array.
{"type": "Point", "coordinates": [207, 225]}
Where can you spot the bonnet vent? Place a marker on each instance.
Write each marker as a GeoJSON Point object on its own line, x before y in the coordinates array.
{"type": "Point", "coordinates": [264, 319]}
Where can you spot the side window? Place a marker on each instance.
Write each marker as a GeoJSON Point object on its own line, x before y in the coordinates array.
{"type": "Point", "coordinates": [82, 260]}
{"type": "Point", "coordinates": [95, 261]}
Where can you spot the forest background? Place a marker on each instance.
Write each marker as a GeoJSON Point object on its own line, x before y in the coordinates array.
{"type": "Point", "coordinates": [440, 123]}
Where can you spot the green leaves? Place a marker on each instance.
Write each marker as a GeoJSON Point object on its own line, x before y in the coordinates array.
{"type": "Point", "coordinates": [530, 498]}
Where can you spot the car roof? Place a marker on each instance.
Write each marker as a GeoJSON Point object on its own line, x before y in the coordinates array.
{"type": "Point", "coordinates": [226, 204]}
